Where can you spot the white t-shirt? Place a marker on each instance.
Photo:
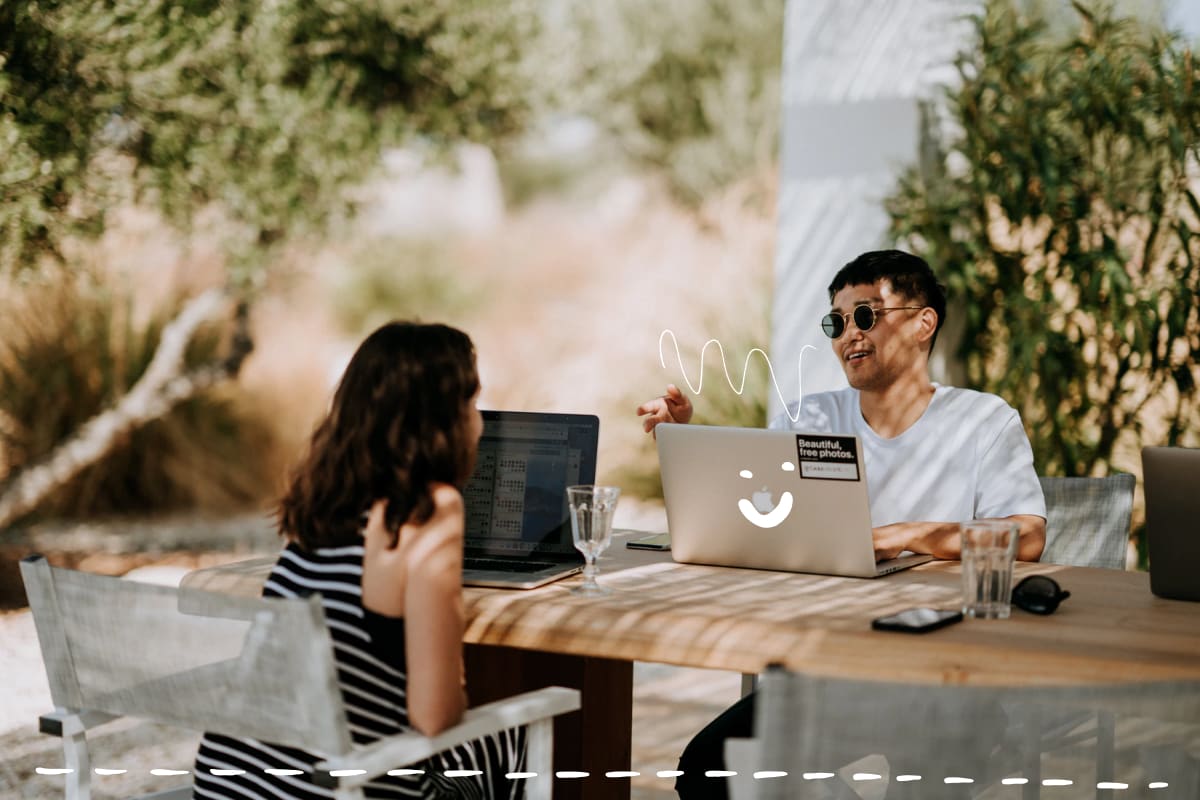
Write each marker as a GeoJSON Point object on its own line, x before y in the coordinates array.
{"type": "Point", "coordinates": [967, 457]}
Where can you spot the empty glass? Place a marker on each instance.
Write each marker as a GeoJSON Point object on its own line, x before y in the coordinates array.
{"type": "Point", "coordinates": [988, 549]}
{"type": "Point", "coordinates": [592, 510]}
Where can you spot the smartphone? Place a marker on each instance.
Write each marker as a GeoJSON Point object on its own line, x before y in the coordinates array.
{"type": "Point", "coordinates": [918, 620]}
{"type": "Point", "coordinates": [658, 541]}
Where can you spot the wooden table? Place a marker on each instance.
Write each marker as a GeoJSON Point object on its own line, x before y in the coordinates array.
{"type": "Point", "coordinates": [1111, 629]}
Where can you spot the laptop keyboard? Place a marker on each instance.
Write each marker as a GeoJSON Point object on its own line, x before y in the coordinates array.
{"type": "Point", "coordinates": [504, 565]}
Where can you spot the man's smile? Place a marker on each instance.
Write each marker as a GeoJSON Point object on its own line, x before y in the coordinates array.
{"type": "Point", "coordinates": [856, 354]}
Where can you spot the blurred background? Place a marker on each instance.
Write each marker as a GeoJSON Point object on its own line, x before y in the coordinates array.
{"type": "Point", "coordinates": [205, 205]}
{"type": "Point", "coordinates": [561, 181]}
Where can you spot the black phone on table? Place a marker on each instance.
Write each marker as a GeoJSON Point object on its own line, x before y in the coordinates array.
{"type": "Point", "coordinates": [918, 620]}
{"type": "Point", "coordinates": [657, 541]}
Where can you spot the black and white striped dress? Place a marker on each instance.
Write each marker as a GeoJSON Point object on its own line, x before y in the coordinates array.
{"type": "Point", "coordinates": [369, 654]}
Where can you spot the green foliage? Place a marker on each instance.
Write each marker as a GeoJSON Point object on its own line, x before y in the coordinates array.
{"type": "Point", "coordinates": [1063, 213]}
{"type": "Point", "coordinates": [266, 110]}
{"type": "Point", "coordinates": [690, 87]}
{"type": "Point", "coordinates": [45, 144]}
{"type": "Point", "coordinates": [68, 349]}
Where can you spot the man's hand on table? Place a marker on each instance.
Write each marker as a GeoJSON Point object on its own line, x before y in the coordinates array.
{"type": "Point", "coordinates": [943, 540]}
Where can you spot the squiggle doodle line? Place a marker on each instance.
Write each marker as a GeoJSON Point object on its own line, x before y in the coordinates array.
{"type": "Point", "coordinates": [745, 370]}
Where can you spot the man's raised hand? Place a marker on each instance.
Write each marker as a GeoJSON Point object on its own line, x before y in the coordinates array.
{"type": "Point", "coordinates": [673, 406]}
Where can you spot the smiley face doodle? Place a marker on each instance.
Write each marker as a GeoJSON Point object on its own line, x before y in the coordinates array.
{"type": "Point", "coordinates": [763, 512]}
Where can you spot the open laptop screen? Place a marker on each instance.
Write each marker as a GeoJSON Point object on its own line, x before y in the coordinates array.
{"type": "Point", "coordinates": [516, 500]}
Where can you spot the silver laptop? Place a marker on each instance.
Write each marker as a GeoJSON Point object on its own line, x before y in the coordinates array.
{"type": "Point", "coordinates": [1172, 484]}
{"type": "Point", "coordinates": [518, 534]}
{"type": "Point", "coordinates": [781, 500]}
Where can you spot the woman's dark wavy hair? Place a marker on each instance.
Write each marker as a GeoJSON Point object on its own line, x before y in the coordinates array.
{"type": "Point", "coordinates": [398, 422]}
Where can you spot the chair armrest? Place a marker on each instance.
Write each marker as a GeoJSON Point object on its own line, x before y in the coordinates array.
{"type": "Point", "coordinates": [239, 579]}
{"type": "Point", "coordinates": [63, 723]}
{"type": "Point", "coordinates": [396, 751]}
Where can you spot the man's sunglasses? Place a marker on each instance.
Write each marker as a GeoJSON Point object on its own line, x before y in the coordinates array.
{"type": "Point", "coordinates": [1038, 594]}
{"type": "Point", "coordinates": [834, 324]}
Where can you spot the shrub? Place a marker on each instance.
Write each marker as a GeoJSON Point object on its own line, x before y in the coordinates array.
{"type": "Point", "coordinates": [1063, 213]}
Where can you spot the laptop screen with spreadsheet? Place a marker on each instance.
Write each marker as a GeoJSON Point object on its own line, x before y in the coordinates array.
{"type": "Point", "coordinates": [516, 499]}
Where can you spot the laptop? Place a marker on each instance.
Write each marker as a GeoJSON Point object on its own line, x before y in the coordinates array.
{"type": "Point", "coordinates": [765, 499]}
{"type": "Point", "coordinates": [518, 532]}
{"type": "Point", "coordinates": [1172, 483]}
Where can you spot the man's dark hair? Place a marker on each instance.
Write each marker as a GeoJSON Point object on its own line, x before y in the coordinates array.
{"type": "Point", "coordinates": [909, 276]}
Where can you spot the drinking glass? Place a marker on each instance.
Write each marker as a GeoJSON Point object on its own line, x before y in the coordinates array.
{"type": "Point", "coordinates": [592, 510]}
{"type": "Point", "coordinates": [988, 550]}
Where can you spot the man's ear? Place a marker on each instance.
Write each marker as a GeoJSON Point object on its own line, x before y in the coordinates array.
{"type": "Point", "coordinates": [929, 322]}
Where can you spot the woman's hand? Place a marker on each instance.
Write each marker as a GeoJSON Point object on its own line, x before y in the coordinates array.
{"type": "Point", "coordinates": [384, 574]}
{"type": "Point", "coordinates": [385, 565]}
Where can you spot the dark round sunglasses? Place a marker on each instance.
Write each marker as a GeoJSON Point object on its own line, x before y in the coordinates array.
{"type": "Point", "coordinates": [834, 324]}
{"type": "Point", "coordinates": [1038, 594]}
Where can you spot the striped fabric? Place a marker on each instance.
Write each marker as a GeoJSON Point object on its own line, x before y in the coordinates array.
{"type": "Point", "coordinates": [369, 653]}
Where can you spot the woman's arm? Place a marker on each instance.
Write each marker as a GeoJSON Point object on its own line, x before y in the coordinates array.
{"type": "Point", "coordinates": [421, 580]}
{"type": "Point", "coordinates": [434, 619]}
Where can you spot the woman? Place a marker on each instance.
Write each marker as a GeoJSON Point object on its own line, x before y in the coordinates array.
{"type": "Point", "coordinates": [396, 448]}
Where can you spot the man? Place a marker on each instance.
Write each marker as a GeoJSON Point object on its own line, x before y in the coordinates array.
{"type": "Point", "coordinates": [934, 455]}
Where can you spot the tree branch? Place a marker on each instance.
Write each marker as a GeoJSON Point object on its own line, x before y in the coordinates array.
{"type": "Point", "coordinates": [163, 385]}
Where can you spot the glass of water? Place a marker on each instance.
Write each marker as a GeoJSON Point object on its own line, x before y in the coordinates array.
{"type": "Point", "coordinates": [592, 510]}
{"type": "Point", "coordinates": [989, 547]}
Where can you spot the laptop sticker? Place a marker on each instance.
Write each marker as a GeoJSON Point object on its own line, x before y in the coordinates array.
{"type": "Point", "coordinates": [827, 458]}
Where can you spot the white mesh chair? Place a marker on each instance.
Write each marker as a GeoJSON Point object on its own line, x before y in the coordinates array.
{"type": "Point", "coordinates": [837, 738]}
{"type": "Point", "coordinates": [1087, 520]}
{"type": "Point", "coordinates": [231, 665]}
